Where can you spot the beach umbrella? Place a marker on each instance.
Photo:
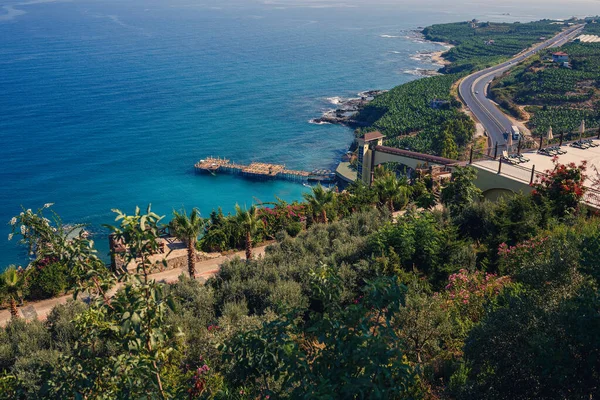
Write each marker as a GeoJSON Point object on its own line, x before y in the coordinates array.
{"type": "Point", "coordinates": [581, 129]}
{"type": "Point", "coordinates": [550, 136]}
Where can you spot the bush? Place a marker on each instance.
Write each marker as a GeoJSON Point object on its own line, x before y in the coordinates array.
{"type": "Point", "coordinates": [293, 229]}
{"type": "Point", "coordinates": [48, 281]}
{"type": "Point", "coordinates": [61, 326]}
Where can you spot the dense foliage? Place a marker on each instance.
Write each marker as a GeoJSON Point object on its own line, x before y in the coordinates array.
{"type": "Point", "coordinates": [435, 304]}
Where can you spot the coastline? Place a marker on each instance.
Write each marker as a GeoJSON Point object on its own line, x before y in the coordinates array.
{"type": "Point", "coordinates": [438, 58]}
{"type": "Point", "coordinates": [347, 108]}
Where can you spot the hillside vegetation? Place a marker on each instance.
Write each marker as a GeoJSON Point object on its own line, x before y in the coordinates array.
{"type": "Point", "coordinates": [436, 305]}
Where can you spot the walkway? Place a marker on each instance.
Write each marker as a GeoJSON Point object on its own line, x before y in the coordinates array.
{"type": "Point", "coordinates": [204, 270]}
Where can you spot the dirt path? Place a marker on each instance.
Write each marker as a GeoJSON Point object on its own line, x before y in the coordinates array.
{"type": "Point", "coordinates": [204, 270]}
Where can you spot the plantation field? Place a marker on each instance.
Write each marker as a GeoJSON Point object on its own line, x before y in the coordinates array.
{"type": "Point", "coordinates": [480, 44]}
{"type": "Point", "coordinates": [555, 96]}
{"type": "Point", "coordinates": [405, 115]}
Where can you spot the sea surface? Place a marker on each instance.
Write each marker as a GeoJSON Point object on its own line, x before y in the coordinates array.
{"type": "Point", "coordinates": [108, 104]}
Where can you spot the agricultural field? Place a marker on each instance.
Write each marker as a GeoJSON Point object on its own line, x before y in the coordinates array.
{"type": "Point", "coordinates": [408, 119]}
{"type": "Point", "coordinates": [481, 44]}
{"type": "Point", "coordinates": [405, 114]}
{"type": "Point", "coordinates": [554, 95]}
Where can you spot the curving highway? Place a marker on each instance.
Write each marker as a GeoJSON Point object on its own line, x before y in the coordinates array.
{"type": "Point", "coordinates": [473, 89]}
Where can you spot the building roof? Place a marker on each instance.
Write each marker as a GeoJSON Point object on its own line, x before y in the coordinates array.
{"type": "Point", "coordinates": [373, 136]}
{"type": "Point", "coordinates": [560, 54]}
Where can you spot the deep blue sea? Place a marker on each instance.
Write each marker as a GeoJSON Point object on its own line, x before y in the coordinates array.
{"type": "Point", "coordinates": [108, 104]}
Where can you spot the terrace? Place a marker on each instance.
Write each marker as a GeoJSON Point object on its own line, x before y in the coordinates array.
{"type": "Point", "coordinates": [502, 173]}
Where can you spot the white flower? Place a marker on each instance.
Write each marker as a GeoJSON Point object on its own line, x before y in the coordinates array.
{"type": "Point", "coordinates": [29, 212]}
{"type": "Point", "coordinates": [20, 215]}
{"type": "Point", "coordinates": [10, 236]}
{"type": "Point", "coordinates": [13, 221]}
{"type": "Point", "coordinates": [46, 221]}
{"type": "Point", "coordinates": [23, 230]}
{"type": "Point", "coordinates": [48, 205]}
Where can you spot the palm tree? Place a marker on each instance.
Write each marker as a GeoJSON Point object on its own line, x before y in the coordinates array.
{"type": "Point", "coordinates": [187, 229]}
{"type": "Point", "coordinates": [249, 223]}
{"type": "Point", "coordinates": [12, 282]}
{"type": "Point", "coordinates": [390, 190]}
{"type": "Point", "coordinates": [318, 200]}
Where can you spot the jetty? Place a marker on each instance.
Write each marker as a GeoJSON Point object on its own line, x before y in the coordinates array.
{"type": "Point", "coordinates": [262, 171]}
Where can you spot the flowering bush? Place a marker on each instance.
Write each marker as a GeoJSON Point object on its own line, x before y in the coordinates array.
{"type": "Point", "coordinates": [282, 217]}
{"type": "Point", "coordinates": [199, 381]}
{"type": "Point", "coordinates": [468, 292]}
{"type": "Point", "coordinates": [513, 258]}
{"type": "Point", "coordinates": [562, 186]}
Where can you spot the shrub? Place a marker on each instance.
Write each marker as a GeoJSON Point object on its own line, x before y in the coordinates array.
{"type": "Point", "coordinates": [293, 229]}
{"type": "Point", "coordinates": [61, 326]}
{"type": "Point", "coordinates": [48, 281]}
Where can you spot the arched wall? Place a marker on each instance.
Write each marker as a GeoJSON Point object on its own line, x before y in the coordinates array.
{"type": "Point", "coordinates": [495, 194]}
{"type": "Point", "coordinates": [494, 184]}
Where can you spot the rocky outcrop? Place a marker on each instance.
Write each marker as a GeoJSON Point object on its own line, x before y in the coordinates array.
{"type": "Point", "coordinates": [347, 109]}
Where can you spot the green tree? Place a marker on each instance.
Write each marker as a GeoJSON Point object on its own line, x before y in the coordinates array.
{"type": "Point", "coordinates": [447, 143]}
{"type": "Point", "coordinates": [529, 349]}
{"type": "Point", "coordinates": [249, 223]}
{"type": "Point", "coordinates": [340, 351]}
{"type": "Point", "coordinates": [12, 286]}
{"type": "Point", "coordinates": [140, 233]}
{"type": "Point", "coordinates": [391, 191]}
{"type": "Point", "coordinates": [52, 242]}
{"type": "Point", "coordinates": [422, 323]}
{"type": "Point", "coordinates": [124, 346]}
{"type": "Point", "coordinates": [461, 191]}
{"type": "Point", "coordinates": [563, 187]}
{"type": "Point", "coordinates": [188, 228]}
{"type": "Point", "coordinates": [319, 200]}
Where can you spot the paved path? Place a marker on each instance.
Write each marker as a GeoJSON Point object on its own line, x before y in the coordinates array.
{"type": "Point", "coordinates": [473, 89]}
{"type": "Point", "coordinates": [204, 269]}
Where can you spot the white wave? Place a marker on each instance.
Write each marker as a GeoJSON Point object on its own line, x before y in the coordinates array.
{"type": "Point", "coordinates": [395, 52]}
{"type": "Point", "coordinates": [335, 100]}
{"type": "Point", "coordinates": [389, 36]}
{"type": "Point", "coordinates": [314, 122]}
{"type": "Point", "coordinates": [11, 13]}
{"type": "Point", "coordinates": [415, 72]}
{"type": "Point", "coordinates": [420, 57]}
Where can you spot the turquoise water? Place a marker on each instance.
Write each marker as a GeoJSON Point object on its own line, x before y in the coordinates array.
{"type": "Point", "coordinates": [109, 104]}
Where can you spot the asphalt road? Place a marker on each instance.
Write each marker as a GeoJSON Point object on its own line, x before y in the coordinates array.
{"type": "Point", "coordinates": [473, 89]}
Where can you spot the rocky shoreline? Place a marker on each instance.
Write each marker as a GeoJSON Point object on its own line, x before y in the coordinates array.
{"type": "Point", "coordinates": [347, 109]}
